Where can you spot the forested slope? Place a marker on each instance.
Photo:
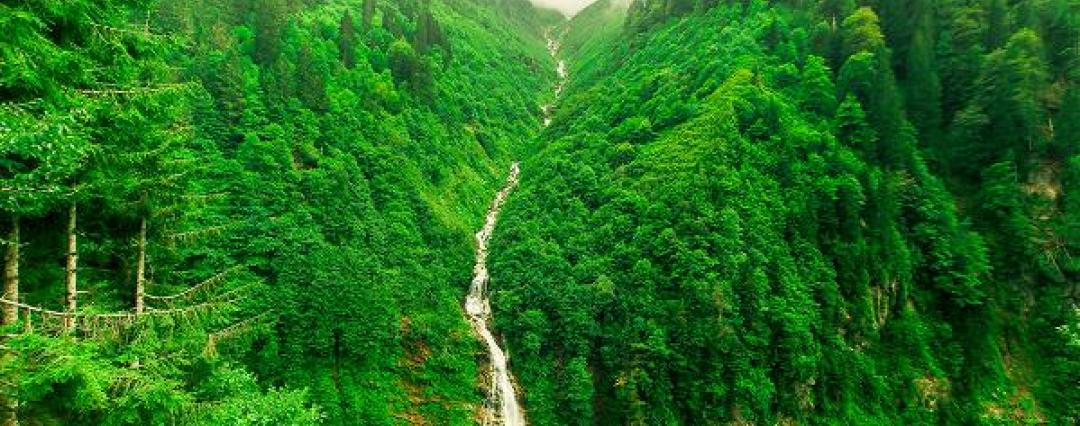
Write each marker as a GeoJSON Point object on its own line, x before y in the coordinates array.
{"type": "Point", "coordinates": [253, 212]}
{"type": "Point", "coordinates": [261, 211]}
{"type": "Point", "coordinates": [808, 212]}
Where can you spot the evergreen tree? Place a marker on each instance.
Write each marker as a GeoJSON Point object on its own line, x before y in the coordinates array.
{"type": "Point", "coordinates": [347, 40]}
{"type": "Point", "coordinates": [259, 212]}
{"type": "Point", "coordinates": [922, 83]}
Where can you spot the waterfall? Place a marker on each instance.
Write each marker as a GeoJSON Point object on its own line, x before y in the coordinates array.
{"type": "Point", "coordinates": [507, 410]}
{"type": "Point", "coordinates": [553, 47]}
{"type": "Point", "coordinates": [479, 309]}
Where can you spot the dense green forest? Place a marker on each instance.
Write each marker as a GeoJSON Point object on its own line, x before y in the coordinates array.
{"type": "Point", "coordinates": [270, 203]}
{"type": "Point", "coordinates": [261, 212]}
{"type": "Point", "coordinates": [802, 212]}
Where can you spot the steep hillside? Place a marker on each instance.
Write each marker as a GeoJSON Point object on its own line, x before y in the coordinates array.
{"type": "Point", "coordinates": [733, 218]}
{"type": "Point", "coordinates": [264, 212]}
{"type": "Point", "coordinates": [317, 166]}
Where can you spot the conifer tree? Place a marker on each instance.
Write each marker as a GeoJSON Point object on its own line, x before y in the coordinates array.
{"type": "Point", "coordinates": [922, 83]}
{"type": "Point", "coordinates": [1011, 92]}
{"type": "Point", "coordinates": [270, 18]}
{"type": "Point", "coordinates": [868, 74]}
{"type": "Point", "coordinates": [819, 92]}
{"type": "Point", "coordinates": [346, 40]}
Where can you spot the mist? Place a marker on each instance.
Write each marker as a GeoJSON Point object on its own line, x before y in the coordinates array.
{"type": "Point", "coordinates": [568, 8]}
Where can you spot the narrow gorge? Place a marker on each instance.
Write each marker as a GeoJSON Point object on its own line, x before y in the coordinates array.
{"type": "Point", "coordinates": [675, 212]}
{"type": "Point", "coordinates": [502, 393]}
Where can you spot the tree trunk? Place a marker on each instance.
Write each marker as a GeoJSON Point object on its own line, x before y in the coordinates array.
{"type": "Point", "coordinates": [140, 279]}
{"type": "Point", "coordinates": [11, 415]}
{"type": "Point", "coordinates": [11, 315]}
{"type": "Point", "coordinates": [140, 270]}
{"type": "Point", "coordinates": [72, 264]}
{"type": "Point", "coordinates": [11, 274]}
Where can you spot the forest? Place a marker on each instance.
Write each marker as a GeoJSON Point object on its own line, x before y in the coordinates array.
{"type": "Point", "coordinates": [265, 212]}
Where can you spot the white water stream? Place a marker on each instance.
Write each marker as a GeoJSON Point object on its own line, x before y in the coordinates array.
{"type": "Point", "coordinates": [504, 409]}
{"type": "Point", "coordinates": [479, 309]}
{"type": "Point", "coordinates": [553, 46]}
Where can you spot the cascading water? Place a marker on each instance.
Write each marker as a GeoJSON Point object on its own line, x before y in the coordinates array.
{"type": "Point", "coordinates": [479, 309]}
{"type": "Point", "coordinates": [477, 305]}
{"type": "Point", "coordinates": [553, 46]}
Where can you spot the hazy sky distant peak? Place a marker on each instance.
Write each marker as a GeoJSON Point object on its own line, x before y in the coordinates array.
{"type": "Point", "coordinates": [567, 7]}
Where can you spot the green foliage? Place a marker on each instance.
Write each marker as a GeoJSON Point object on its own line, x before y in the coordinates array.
{"type": "Point", "coordinates": [862, 32]}
{"type": "Point", "coordinates": [243, 403]}
{"type": "Point", "coordinates": [780, 251]}
{"type": "Point", "coordinates": [824, 212]}
{"type": "Point", "coordinates": [336, 168]}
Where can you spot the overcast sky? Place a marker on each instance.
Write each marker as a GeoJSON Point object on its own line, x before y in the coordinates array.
{"type": "Point", "coordinates": [567, 7]}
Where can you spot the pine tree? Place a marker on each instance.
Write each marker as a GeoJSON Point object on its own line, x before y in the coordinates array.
{"type": "Point", "coordinates": [270, 18]}
{"type": "Point", "coordinates": [862, 33]}
{"type": "Point", "coordinates": [1011, 92]}
{"type": "Point", "coordinates": [833, 13]}
{"type": "Point", "coordinates": [45, 143]}
{"type": "Point", "coordinates": [853, 130]}
{"type": "Point", "coordinates": [819, 92]}
{"type": "Point", "coordinates": [368, 14]}
{"type": "Point", "coordinates": [962, 46]}
{"type": "Point", "coordinates": [868, 74]}
{"type": "Point", "coordinates": [922, 84]}
{"type": "Point", "coordinates": [309, 77]}
{"type": "Point", "coordinates": [997, 20]}
{"type": "Point", "coordinates": [346, 40]}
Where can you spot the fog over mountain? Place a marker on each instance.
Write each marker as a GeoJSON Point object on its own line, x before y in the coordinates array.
{"type": "Point", "coordinates": [567, 7]}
